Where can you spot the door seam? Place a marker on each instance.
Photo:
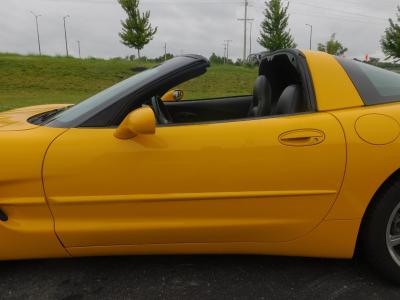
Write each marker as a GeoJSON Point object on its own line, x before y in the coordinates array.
{"type": "Point", "coordinates": [345, 167]}
{"type": "Point", "coordinates": [45, 194]}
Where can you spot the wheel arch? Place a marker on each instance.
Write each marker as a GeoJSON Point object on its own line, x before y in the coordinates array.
{"type": "Point", "coordinates": [394, 177]}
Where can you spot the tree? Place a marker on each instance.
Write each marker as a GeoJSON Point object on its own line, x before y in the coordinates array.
{"type": "Point", "coordinates": [333, 46]}
{"type": "Point", "coordinates": [373, 61]}
{"type": "Point", "coordinates": [136, 29]}
{"type": "Point", "coordinates": [274, 32]}
{"type": "Point", "coordinates": [390, 41]}
{"type": "Point", "coordinates": [163, 57]}
{"type": "Point", "coordinates": [219, 60]}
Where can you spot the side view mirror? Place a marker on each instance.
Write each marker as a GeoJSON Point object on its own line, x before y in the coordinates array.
{"type": "Point", "coordinates": [140, 121]}
{"type": "Point", "coordinates": [173, 95]}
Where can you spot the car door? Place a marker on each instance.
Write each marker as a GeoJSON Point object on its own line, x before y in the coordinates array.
{"type": "Point", "coordinates": [261, 180]}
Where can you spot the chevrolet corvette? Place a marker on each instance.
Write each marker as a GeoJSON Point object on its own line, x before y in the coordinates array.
{"type": "Point", "coordinates": [308, 165]}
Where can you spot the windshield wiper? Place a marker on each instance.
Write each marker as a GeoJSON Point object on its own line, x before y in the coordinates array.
{"type": "Point", "coordinates": [47, 116]}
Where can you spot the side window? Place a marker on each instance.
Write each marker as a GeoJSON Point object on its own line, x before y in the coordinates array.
{"type": "Point", "coordinates": [228, 92]}
{"type": "Point", "coordinates": [375, 85]}
{"type": "Point", "coordinates": [221, 81]}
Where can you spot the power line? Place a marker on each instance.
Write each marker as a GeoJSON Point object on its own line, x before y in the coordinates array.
{"type": "Point", "coordinates": [191, 2]}
{"type": "Point", "coordinates": [181, 2]}
{"type": "Point", "coordinates": [336, 16]}
{"type": "Point", "coordinates": [360, 4]}
{"type": "Point", "coordinates": [341, 13]}
{"type": "Point", "coordinates": [338, 10]}
{"type": "Point", "coordinates": [305, 8]}
{"type": "Point", "coordinates": [198, 2]}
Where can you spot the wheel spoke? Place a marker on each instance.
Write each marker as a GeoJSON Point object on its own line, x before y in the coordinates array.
{"type": "Point", "coordinates": [394, 240]}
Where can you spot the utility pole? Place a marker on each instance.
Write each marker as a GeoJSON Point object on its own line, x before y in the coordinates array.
{"type": "Point", "coordinates": [311, 33]}
{"type": "Point", "coordinates": [65, 32]}
{"type": "Point", "coordinates": [165, 52]}
{"type": "Point", "coordinates": [245, 20]}
{"type": "Point", "coordinates": [251, 32]}
{"type": "Point", "coordinates": [79, 48]}
{"type": "Point", "coordinates": [246, 4]}
{"type": "Point", "coordinates": [37, 30]}
{"type": "Point", "coordinates": [227, 49]}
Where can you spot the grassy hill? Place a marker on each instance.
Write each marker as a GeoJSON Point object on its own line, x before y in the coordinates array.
{"type": "Point", "coordinates": [30, 80]}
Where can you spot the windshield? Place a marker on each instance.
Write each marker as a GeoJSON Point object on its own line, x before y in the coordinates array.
{"type": "Point", "coordinates": [83, 111]}
{"type": "Point", "coordinates": [101, 98]}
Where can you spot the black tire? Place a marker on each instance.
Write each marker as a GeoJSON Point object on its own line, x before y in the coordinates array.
{"type": "Point", "coordinates": [374, 232]}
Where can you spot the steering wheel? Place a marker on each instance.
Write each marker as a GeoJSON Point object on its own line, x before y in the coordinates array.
{"type": "Point", "coordinates": [162, 114]}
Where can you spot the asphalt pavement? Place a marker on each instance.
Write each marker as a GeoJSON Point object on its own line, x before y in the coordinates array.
{"type": "Point", "coordinates": [192, 277]}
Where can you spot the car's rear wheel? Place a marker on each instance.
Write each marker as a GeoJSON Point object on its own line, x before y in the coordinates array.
{"type": "Point", "coordinates": [380, 237]}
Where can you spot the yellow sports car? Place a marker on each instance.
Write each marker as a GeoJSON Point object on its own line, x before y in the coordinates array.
{"type": "Point", "coordinates": [309, 165]}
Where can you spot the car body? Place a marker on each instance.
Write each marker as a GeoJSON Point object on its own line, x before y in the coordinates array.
{"type": "Point", "coordinates": [294, 182]}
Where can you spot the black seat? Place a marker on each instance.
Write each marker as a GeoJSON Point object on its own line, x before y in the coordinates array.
{"type": "Point", "coordinates": [262, 98]}
{"type": "Point", "coordinates": [291, 101]}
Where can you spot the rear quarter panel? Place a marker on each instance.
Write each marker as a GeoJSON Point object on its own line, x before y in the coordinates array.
{"type": "Point", "coordinates": [373, 155]}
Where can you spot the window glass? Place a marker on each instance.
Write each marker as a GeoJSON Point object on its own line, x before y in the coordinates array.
{"type": "Point", "coordinates": [122, 92]}
{"type": "Point", "coordinates": [104, 96]}
{"type": "Point", "coordinates": [375, 85]}
{"type": "Point", "coordinates": [386, 82]}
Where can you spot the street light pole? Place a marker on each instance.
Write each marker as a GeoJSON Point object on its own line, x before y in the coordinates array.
{"type": "Point", "coordinates": [311, 33]}
{"type": "Point", "coordinates": [65, 32]}
{"type": "Point", "coordinates": [37, 30]}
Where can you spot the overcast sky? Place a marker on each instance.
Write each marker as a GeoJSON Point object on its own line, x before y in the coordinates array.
{"type": "Point", "coordinates": [187, 26]}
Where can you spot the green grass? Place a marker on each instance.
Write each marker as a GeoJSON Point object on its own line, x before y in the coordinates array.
{"type": "Point", "coordinates": [220, 81]}
{"type": "Point", "coordinates": [31, 80]}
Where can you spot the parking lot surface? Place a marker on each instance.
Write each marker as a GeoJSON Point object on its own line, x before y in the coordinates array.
{"type": "Point", "coordinates": [192, 277]}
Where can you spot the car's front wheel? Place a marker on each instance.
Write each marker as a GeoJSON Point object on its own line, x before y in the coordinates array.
{"type": "Point", "coordinates": [380, 237]}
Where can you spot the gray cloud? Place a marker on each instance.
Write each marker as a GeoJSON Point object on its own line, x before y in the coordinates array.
{"type": "Point", "coordinates": [195, 26]}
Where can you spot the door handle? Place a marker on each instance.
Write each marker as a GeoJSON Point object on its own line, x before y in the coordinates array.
{"type": "Point", "coordinates": [302, 137]}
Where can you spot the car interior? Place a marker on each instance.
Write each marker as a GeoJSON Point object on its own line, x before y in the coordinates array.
{"type": "Point", "coordinates": [278, 90]}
